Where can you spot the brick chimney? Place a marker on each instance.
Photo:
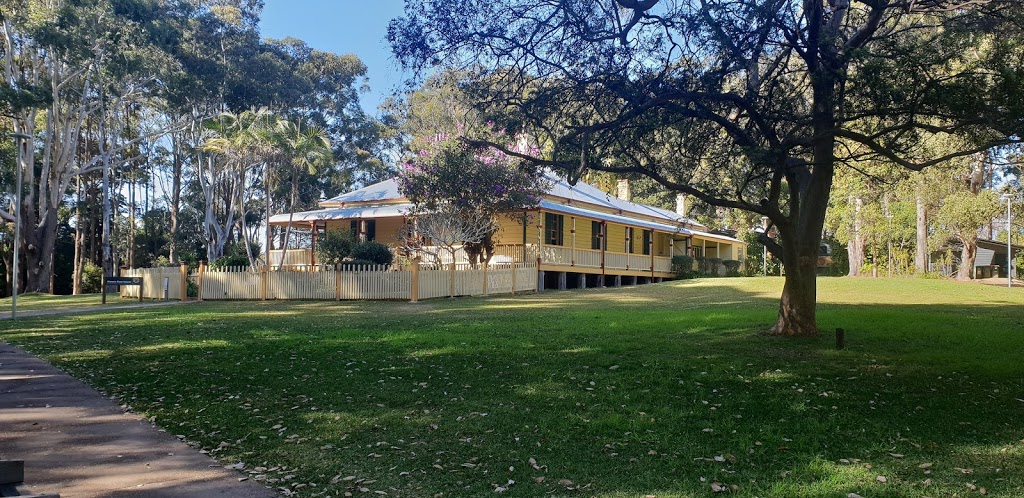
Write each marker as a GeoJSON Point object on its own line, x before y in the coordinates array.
{"type": "Point", "coordinates": [681, 205]}
{"type": "Point", "coordinates": [623, 190]}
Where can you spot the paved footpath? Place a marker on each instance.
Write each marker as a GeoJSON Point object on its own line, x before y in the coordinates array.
{"type": "Point", "coordinates": [78, 443]}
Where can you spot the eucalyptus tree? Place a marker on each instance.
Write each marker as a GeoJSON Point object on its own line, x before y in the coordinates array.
{"type": "Point", "coordinates": [746, 104]}
{"type": "Point", "coordinates": [81, 58]}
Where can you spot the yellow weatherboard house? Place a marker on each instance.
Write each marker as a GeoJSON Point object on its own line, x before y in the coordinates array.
{"type": "Point", "coordinates": [579, 235]}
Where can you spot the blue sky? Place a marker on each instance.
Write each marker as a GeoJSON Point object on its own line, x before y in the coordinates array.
{"type": "Point", "coordinates": [342, 26]}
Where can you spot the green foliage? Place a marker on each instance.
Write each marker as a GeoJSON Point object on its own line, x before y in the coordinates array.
{"type": "Point", "coordinates": [963, 213]}
{"type": "Point", "coordinates": [755, 258]}
{"type": "Point", "coordinates": [732, 267]}
{"type": "Point", "coordinates": [840, 260]}
{"type": "Point", "coordinates": [709, 267]}
{"type": "Point", "coordinates": [682, 266]}
{"type": "Point", "coordinates": [334, 246]}
{"type": "Point", "coordinates": [235, 257]}
{"type": "Point", "coordinates": [483, 179]}
{"type": "Point", "coordinates": [372, 251]}
{"type": "Point", "coordinates": [92, 278]}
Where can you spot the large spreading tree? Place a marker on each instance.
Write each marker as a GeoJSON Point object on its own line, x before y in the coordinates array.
{"type": "Point", "coordinates": [748, 104]}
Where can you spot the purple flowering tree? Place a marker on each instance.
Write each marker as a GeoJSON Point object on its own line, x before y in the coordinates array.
{"type": "Point", "coordinates": [451, 176]}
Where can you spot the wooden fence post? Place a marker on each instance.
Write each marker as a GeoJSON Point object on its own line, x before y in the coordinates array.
{"type": "Point", "coordinates": [265, 281]}
{"type": "Point", "coordinates": [414, 287]}
{"type": "Point", "coordinates": [485, 279]}
{"type": "Point", "coordinates": [337, 282]}
{"type": "Point", "coordinates": [184, 281]}
{"type": "Point", "coordinates": [514, 271]}
{"type": "Point", "coordinates": [202, 270]}
{"type": "Point", "coordinates": [451, 279]}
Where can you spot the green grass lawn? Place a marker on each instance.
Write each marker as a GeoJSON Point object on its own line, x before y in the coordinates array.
{"type": "Point", "coordinates": [47, 302]}
{"type": "Point", "coordinates": [661, 390]}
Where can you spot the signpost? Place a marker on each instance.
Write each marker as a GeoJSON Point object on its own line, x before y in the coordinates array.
{"type": "Point", "coordinates": [119, 281]}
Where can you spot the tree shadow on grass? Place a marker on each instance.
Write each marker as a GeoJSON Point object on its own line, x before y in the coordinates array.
{"type": "Point", "coordinates": [621, 395]}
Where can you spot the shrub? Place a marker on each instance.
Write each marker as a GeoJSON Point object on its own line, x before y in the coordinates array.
{"type": "Point", "coordinates": [334, 246]}
{"type": "Point", "coordinates": [92, 278]}
{"type": "Point", "coordinates": [732, 267]}
{"type": "Point", "coordinates": [235, 257]}
{"type": "Point", "coordinates": [374, 252]}
{"type": "Point", "coordinates": [230, 260]}
{"type": "Point", "coordinates": [709, 266]}
{"type": "Point", "coordinates": [682, 266]}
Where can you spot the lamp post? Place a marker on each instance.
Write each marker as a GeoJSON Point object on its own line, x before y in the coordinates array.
{"type": "Point", "coordinates": [21, 139]}
{"type": "Point", "coordinates": [1009, 244]}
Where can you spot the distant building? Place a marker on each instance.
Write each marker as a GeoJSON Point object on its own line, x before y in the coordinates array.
{"type": "Point", "coordinates": [990, 261]}
{"type": "Point", "coordinates": [576, 232]}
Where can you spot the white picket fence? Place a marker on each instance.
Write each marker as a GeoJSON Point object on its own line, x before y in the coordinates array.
{"type": "Point", "coordinates": [365, 282]}
{"type": "Point", "coordinates": [153, 282]}
{"type": "Point", "coordinates": [232, 282]}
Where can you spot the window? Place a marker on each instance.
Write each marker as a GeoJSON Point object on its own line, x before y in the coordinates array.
{"type": "Point", "coordinates": [553, 224]}
{"type": "Point", "coordinates": [697, 251]}
{"type": "Point", "coordinates": [629, 241]}
{"type": "Point", "coordinates": [648, 239]}
{"type": "Point", "coordinates": [597, 239]}
{"type": "Point", "coordinates": [371, 230]}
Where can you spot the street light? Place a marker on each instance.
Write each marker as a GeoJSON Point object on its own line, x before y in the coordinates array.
{"type": "Point", "coordinates": [21, 139]}
{"type": "Point", "coordinates": [1009, 244]}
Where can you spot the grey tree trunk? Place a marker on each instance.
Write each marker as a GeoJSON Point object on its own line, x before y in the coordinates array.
{"type": "Point", "coordinates": [108, 265]}
{"type": "Point", "coordinates": [76, 278]}
{"type": "Point", "coordinates": [921, 253]}
{"type": "Point", "coordinates": [967, 258]}
{"type": "Point", "coordinates": [175, 197]}
{"type": "Point", "coordinates": [855, 247]}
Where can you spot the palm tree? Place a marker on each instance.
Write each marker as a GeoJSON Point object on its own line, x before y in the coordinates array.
{"type": "Point", "coordinates": [304, 147]}
{"type": "Point", "coordinates": [243, 141]}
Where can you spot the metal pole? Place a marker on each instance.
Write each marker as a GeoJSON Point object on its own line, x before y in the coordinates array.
{"type": "Point", "coordinates": [764, 259]}
{"type": "Point", "coordinates": [764, 247]}
{"type": "Point", "coordinates": [20, 139]}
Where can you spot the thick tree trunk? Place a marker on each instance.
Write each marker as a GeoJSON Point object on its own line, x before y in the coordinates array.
{"type": "Point", "coordinates": [41, 242]}
{"type": "Point", "coordinates": [810, 185]}
{"type": "Point", "coordinates": [798, 305]}
{"type": "Point", "coordinates": [921, 254]}
{"type": "Point", "coordinates": [967, 257]}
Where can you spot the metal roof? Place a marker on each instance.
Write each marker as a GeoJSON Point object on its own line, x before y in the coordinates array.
{"type": "Point", "coordinates": [392, 210]}
{"type": "Point", "coordinates": [386, 190]}
{"type": "Point", "coordinates": [581, 192]}
{"type": "Point", "coordinates": [625, 220]}
{"type": "Point", "coordinates": [389, 210]}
